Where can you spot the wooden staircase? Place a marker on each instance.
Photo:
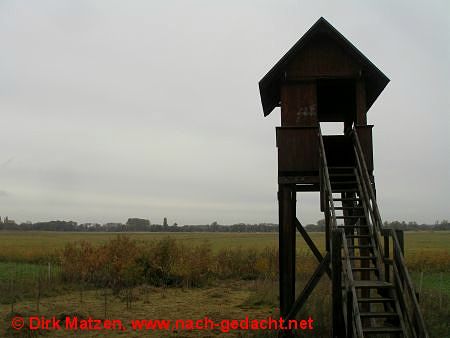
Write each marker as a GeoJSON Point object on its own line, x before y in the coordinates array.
{"type": "Point", "coordinates": [373, 295]}
{"type": "Point", "coordinates": [378, 305]}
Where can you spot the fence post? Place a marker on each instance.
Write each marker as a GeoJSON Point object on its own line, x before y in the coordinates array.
{"type": "Point", "coordinates": [14, 280]}
{"type": "Point", "coordinates": [39, 292]}
{"type": "Point", "coordinates": [13, 293]}
{"type": "Point", "coordinates": [105, 301]}
{"type": "Point", "coordinates": [420, 286]}
{"type": "Point", "coordinates": [81, 290]}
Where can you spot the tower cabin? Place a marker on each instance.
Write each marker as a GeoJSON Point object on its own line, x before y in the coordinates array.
{"type": "Point", "coordinates": [322, 78]}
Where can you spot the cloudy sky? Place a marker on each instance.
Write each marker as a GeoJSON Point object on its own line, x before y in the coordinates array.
{"type": "Point", "coordinates": [117, 109]}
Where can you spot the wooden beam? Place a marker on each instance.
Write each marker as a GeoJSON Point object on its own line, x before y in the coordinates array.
{"type": "Point", "coordinates": [350, 317]}
{"type": "Point", "coordinates": [310, 178]}
{"type": "Point", "coordinates": [287, 242]}
{"type": "Point", "coordinates": [311, 245]}
{"type": "Point", "coordinates": [336, 273]}
{"type": "Point", "coordinates": [361, 108]}
{"type": "Point", "coordinates": [307, 187]}
{"type": "Point", "coordinates": [303, 297]}
{"type": "Point", "coordinates": [387, 267]}
{"type": "Point", "coordinates": [401, 242]}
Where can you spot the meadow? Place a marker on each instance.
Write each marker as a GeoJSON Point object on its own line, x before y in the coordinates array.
{"type": "Point", "coordinates": [427, 252]}
{"type": "Point", "coordinates": [32, 246]}
{"type": "Point", "coordinates": [224, 275]}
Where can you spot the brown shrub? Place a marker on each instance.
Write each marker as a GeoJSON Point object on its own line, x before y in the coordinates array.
{"type": "Point", "coordinates": [123, 262]}
{"type": "Point", "coordinates": [434, 260]}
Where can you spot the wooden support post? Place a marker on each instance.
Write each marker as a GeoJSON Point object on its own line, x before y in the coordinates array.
{"type": "Point", "coordinates": [349, 314]}
{"type": "Point", "coordinates": [361, 106]}
{"type": "Point", "coordinates": [327, 227]}
{"type": "Point", "coordinates": [336, 275]}
{"type": "Point", "coordinates": [401, 240]}
{"type": "Point", "coordinates": [365, 275]}
{"type": "Point", "coordinates": [287, 241]}
{"type": "Point", "coordinates": [387, 268]}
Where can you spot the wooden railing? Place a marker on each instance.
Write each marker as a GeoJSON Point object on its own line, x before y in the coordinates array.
{"type": "Point", "coordinates": [343, 303]}
{"type": "Point", "coordinates": [402, 281]}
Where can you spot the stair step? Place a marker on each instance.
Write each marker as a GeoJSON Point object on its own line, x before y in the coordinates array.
{"type": "Point", "coordinates": [352, 226]}
{"type": "Point", "coordinates": [381, 330]}
{"type": "Point", "coordinates": [343, 182]}
{"type": "Point", "coordinates": [343, 185]}
{"type": "Point", "coordinates": [375, 300]}
{"type": "Point", "coordinates": [378, 314]}
{"type": "Point", "coordinates": [360, 246]}
{"type": "Point", "coordinates": [357, 236]}
{"type": "Point", "coordinates": [362, 257]}
{"type": "Point", "coordinates": [364, 269]}
{"type": "Point", "coordinates": [349, 217]}
{"type": "Point", "coordinates": [348, 208]}
{"type": "Point", "coordinates": [339, 190]}
{"type": "Point", "coordinates": [346, 199]}
{"type": "Point", "coordinates": [341, 168]}
{"type": "Point", "coordinates": [342, 174]}
{"type": "Point", "coordinates": [372, 284]}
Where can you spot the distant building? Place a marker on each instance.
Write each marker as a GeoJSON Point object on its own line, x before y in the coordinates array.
{"type": "Point", "coordinates": [7, 221]}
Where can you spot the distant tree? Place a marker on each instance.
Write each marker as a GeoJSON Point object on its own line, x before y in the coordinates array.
{"type": "Point", "coordinates": [137, 224]}
{"type": "Point", "coordinates": [214, 226]}
{"type": "Point", "coordinates": [165, 224]}
{"type": "Point", "coordinates": [321, 222]}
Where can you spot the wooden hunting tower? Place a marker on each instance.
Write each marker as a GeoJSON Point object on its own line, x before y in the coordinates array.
{"type": "Point", "coordinates": [324, 78]}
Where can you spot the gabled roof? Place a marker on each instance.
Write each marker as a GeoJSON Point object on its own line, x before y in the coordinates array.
{"type": "Point", "coordinates": [269, 85]}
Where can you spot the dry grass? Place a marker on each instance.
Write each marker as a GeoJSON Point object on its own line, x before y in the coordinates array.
{"type": "Point", "coordinates": [33, 246]}
{"type": "Point", "coordinates": [227, 300]}
{"type": "Point", "coordinates": [233, 257]}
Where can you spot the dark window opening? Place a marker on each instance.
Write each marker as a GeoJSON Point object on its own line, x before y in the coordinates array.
{"type": "Point", "coordinates": [336, 100]}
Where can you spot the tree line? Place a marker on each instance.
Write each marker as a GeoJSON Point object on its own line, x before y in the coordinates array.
{"type": "Point", "coordinates": [144, 225]}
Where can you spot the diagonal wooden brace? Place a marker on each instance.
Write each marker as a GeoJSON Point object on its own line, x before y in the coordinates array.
{"type": "Point", "coordinates": [303, 297]}
{"type": "Point", "coordinates": [311, 245]}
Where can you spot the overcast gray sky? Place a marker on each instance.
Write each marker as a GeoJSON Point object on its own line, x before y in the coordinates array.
{"type": "Point", "coordinates": [117, 109]}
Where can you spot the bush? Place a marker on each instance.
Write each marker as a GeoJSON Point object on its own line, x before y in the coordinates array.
{"type": "Point", "coordinates": [123, 263]}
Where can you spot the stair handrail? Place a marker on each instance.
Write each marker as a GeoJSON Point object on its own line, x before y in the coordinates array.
{"type": "Point", "coordinates": [326, 176]}
{"type": "Point", "coordinates": [351, 288]}
{"type": "Point", "coordinates": [362, 179]}
{"type": "Point", "coordinates": [399, 261]}
{"type": "Point", "coordinates": [347, 268]}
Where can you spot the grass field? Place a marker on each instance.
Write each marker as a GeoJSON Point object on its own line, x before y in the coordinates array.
{"type": "Point", "coordinates": [29, 246]}
{"type": "Point", "coordinates": [18, 270]}
{"type": "Point", "coordinates": [439, 281]}
{"type": "Point", "coordinates": [426, 252]}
